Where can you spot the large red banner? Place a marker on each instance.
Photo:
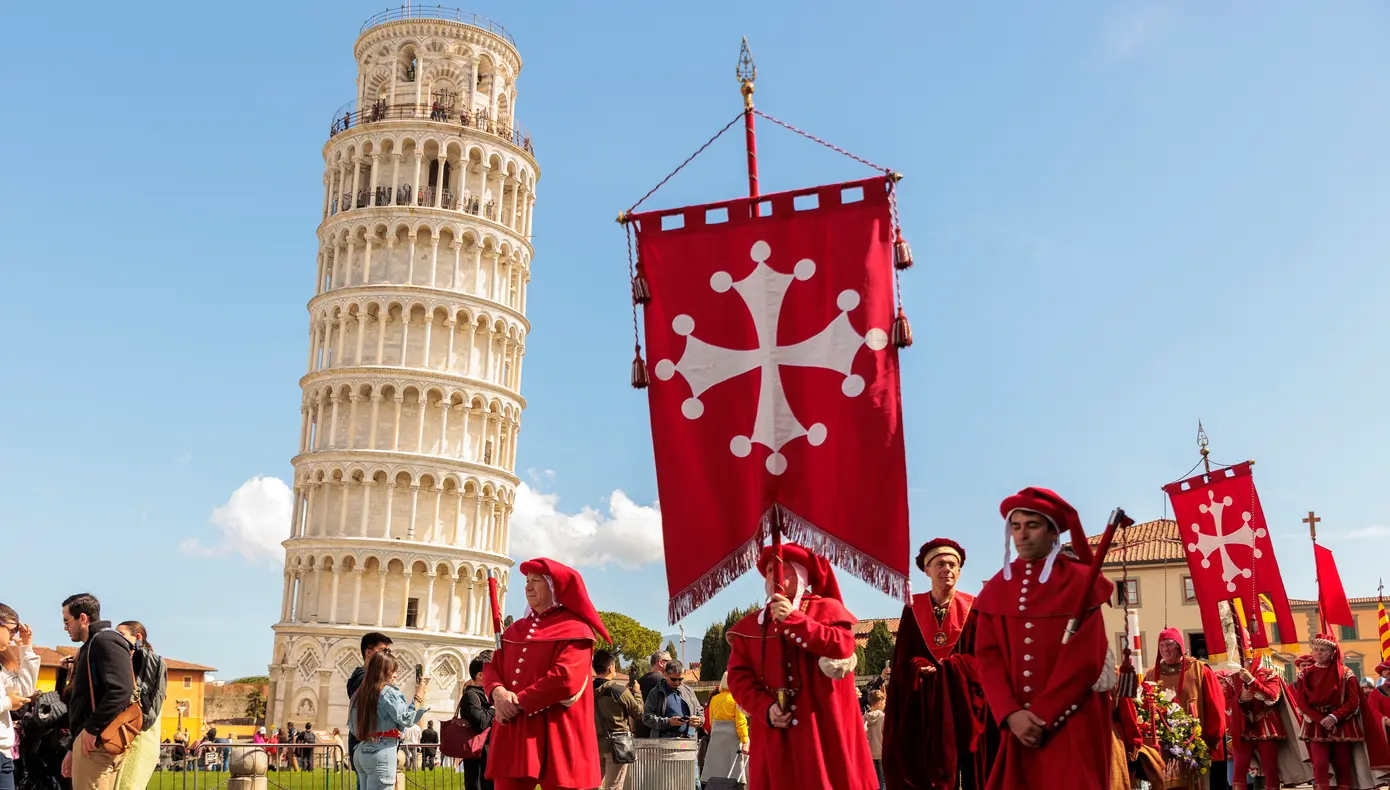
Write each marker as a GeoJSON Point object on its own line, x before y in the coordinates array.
{"type": "Point", "coordinates": [1230, 554]}
{"type": "Point", "coordinates": [774, 387]}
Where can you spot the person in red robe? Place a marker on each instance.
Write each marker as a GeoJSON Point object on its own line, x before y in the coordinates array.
{"type": "Point", "coordinates": [1378, 698]}
{"type": "Point", "coordinates": [938, 734]}
{"type": "Point", "coordinates": [543, 731]}
{"type": "Point", "coordinates": [800, 648]}
{"type": "Point", "coordinates": [1197, 690]}
{"type": "Point", "coordinates": [1329, 699]}
{"type": "Point", "coordinates": [1057, 726]}
{"type": "Point", "coordinates": [1256, 723]}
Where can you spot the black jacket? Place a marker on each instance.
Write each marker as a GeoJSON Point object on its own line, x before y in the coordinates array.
{"type": "Point", "coordinates": [92, 707]}
{"type": "Point", "coordinates": [646, 683]}
{"type": "Point", "coordinates": [354, 682]}
{"type": "Point", "coordinates": [430, 737]}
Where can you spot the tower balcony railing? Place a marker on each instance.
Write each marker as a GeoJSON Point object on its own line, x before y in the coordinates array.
{"type": "Point", "coordinates": [437, 12]}
{"type": "Point", "coordinates": [406, 195]}
{"type": "Point", "coordinates": [350, 118]}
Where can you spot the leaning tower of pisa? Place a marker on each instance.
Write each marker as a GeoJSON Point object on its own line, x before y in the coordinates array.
{"type": "Point", "coordinates": [405, 477]}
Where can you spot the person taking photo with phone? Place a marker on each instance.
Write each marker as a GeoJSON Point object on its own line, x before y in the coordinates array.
{"type": "Point", "coordinates": [672, 710]}
{"type": "Point", "coordinates": [378, 717]}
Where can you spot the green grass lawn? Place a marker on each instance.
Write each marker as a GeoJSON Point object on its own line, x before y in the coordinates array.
{"type": "Point", "coordinates": [438, 779]}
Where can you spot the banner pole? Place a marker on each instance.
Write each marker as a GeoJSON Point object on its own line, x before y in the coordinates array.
{"type": "Point", "coordinates": [746, 73]}
{"type": "Point", "coordinates": [1312, 522]}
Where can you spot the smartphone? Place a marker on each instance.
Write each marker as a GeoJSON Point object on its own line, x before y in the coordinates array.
{"type": "Point", "coordinates": [419, 672]}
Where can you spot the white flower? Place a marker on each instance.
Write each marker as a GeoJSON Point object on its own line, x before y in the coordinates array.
{"type": "Point", "coordinates": [1168, 695]}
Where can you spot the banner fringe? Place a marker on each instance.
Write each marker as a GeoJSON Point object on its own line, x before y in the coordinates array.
{"type": "Point", "coordinates": [795, 529]}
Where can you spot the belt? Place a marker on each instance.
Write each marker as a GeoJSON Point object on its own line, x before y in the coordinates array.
{"type": "Point", "coordinates": [387, 734]}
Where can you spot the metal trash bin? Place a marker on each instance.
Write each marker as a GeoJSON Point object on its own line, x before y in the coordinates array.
{"type": "Point", "coordinates": [665, 764]}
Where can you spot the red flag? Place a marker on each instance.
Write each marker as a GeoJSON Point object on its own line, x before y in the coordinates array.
{"type": "Point", "coordinates": [1229, 552]}
{"type": "Point", "coordinates": [774, 385]}
{"type": "Point", "coordinates": [1332, 598]}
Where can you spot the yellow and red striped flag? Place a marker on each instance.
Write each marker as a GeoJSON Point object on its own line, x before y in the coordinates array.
{"type": "Point", "coordinates": [1384, 633]}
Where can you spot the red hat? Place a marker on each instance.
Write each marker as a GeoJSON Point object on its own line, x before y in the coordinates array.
{"type": "Point", "coordinates": [1061, 515]}
{"type": "Point", "coordinates": [1383, 666]}
{"type": "Point", "coordinates": [819, 575]}
{"type": "Point", "coordinates": [1302, 661]}
{"type": "Point", "coordinates": [939, 546]}
{"type": "Point", "coordinates": [1173, 634]}
{"type": "Point", "coordinates": [570, 591]}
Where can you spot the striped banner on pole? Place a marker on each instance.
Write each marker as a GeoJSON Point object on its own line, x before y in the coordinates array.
{"type": "Point", "coordinates": [1384, 632]}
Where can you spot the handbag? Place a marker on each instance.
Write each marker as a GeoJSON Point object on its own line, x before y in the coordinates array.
{"type": "Point", "coordinates": [624, 747]}
{"type": "Point", "coordinates": [116, 738]}
{"type": "Point", "coordinates": [460, 740]}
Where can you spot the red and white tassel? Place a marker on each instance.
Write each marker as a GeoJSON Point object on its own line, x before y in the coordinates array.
{"type": "Point", "coordinates": [902, 330]}
{"type": "Point", "coordinates": [902, 253]}
{"type": "Point", "coordinates": [641, 294]}
{"type": "Point", "coordinates": [639, 371]}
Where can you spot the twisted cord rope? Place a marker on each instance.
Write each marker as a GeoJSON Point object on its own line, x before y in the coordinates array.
{"type": "Point", "coordinates": [831, 146]}
{"type": "Point", "coordinates": [631, 276]}
{"type": "Point", "coordinates": [687, 161]}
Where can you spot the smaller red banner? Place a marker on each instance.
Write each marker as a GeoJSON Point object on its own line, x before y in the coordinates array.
{"type": "Point", "coordinates": [1332, 597]}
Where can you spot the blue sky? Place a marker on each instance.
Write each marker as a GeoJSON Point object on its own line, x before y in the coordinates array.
{"type": "Point", "coordinates": [1126, 216]}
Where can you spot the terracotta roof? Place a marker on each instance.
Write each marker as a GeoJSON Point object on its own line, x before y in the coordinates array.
{"type": "Point", "coordinates": [49, 657]}
{"type": "Point", "coordinates": [1151, 541]}
{"type": "Point", "coordinates": [862, 628]}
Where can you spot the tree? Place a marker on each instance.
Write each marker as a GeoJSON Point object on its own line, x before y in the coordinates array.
{"type": "Point", "coordinates": [631, 639]}
{"type": "Point", "coordinates": [878, 653]}
{"type": "Point", "coordinates": [671, 650]}
{"type": "Point", "coordinates": [260, 680]}
{"type": "Point", "coordinates": [255, 706]}
{"type": "Point", "coordinates": [860, 661]}
{"type": "Point", "coordinates": [710, 666]}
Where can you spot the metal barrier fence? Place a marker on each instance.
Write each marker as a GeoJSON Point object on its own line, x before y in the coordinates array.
{"type": "Point", "coordinates": [292, 766]}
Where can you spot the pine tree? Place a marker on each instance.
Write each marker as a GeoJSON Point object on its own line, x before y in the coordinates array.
{"type": "Point", "coordinates": [878, 652]}
{"type": "Point", "coordinates": [710, 666]}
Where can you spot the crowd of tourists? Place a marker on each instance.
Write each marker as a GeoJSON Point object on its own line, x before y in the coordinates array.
{"type": "Point", "coordinates": [98, 730]}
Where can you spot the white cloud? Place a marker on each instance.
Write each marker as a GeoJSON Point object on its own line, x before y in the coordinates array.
{"type": "Point", "coordinates": [254, 520]}
{"type": "Point", "coordinates": [1373, 532]}
{"type": "Point", "coordinates": [1128, 32]}
{"type": "Point", "coordinates": [628, 535]}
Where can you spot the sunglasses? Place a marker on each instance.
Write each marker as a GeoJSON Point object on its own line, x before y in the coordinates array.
{"type": "Point", "coordinates": [13, 628]}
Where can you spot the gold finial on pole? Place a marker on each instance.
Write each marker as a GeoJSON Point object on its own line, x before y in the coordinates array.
{"type": "Point", "coordinates": [1202, 443]}
{"type": "Point", "coordinates": [746, 72]}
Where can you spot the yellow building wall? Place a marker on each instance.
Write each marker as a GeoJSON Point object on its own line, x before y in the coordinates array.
{"type": "Point", "coordinates": [48, 679]}
{"type": "Point", "coordinates": [182, 687]}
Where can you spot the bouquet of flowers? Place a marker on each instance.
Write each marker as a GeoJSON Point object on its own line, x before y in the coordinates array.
{"type": "Point", "coordinates": [1177, 732]}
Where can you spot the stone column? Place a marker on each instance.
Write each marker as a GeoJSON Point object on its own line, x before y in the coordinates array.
{"type": "Point", "coordinates": [431, 537]}
{"type": "Point", "coordinates": [457, 246]}
{"type": "Point", "coordinates": [443, 427]}
{"type": "Point", "coordinates": [450, 324]}
{"type": "Point", "coordinates": [434, 261]}
{"type": "Point", "coordinates": [390, 506]}
{"type": "Point", "coordinates": [451, 600]}
{"type": "Point", "coordinates": [458, 518]}
{"type": "Point", "coordinates": [381, 597]}
{"type": "Point", "coordinates": [353, 399]}
{"type": "Point", "coordinates": [415, 183]}
{"type": "Point", "coordinates": [343, 489]}
{"type": "Point", "coordinates": [429, 330]}
{"type": "Point", "coordinates": [357, 595]}
{"type": "Point", "coordinates": [361, 336]}
{"type": "Point", "coordinates": [395, 170]}
{"type": "Point", "coordinates": [405, 595]}
{"type": "Point", "coordinates": [438, 201]}
{"type": "Point", "coordinates": [367, 253]}
{"type": "Point", "coordinates": [420, 431]}
{"type": "Point", "coordinates": [285, 597]}
{"type": "Point", "coordinates": [347, 263]}
{"type": "Point", "coordinates": [371, 430]}
{"type": "Point", "coordinates": [405, 337]}
{"type": "Point", "coordinates": [424, 621]}
{"type": "Point", "coordinates": [468, 355]}
{"type": "Point", "coordinates": [475, 539]}
{"type": "Point", "coordinates": [333, 422]}
{"type": "Point", "coordinates": [371, 198]}
{"type": "Point", "coordinates": [410, 264]}
{"type": "Point", "coordinates": [342, 340]}
{"type": "Point", "coordinates": [382, 320]}
{"type": "Point", "coordinates": [414, 509]}
{"type": "Point", "coordinates": [478, 269]}
{"type": "Point", "coordinates": [367, 486]}
{"type": "Point", "coordinates": [333, 593]}
{"type": "Point", "coordinates": [356, 174]}
{"type": "Point", "coordinates": [463, 435]}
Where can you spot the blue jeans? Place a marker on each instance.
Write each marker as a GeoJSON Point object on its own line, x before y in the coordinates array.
{"type": "Point", "coordinates": [6, 772]}
{"type": "Point", "coordinates": [376, 768]}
